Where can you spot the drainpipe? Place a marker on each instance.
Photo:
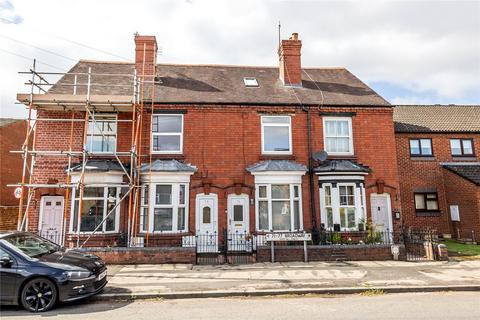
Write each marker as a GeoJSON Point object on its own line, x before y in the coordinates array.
{"type": "Point", "coordinates": [315, 234]}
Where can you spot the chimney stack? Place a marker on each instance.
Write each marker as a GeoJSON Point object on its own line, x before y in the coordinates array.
{"type": "Point", "coordinates": [145, 56]}
{"type": "Point", "coordinates": [289, 55]}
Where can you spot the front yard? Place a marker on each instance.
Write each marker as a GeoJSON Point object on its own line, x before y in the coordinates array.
{"type": "Point", "coordinates": [460, 249]}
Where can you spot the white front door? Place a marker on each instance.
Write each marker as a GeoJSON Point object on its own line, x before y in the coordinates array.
{"type": "Point", "coordinates": [381, 212]}
{"type": "Point", "coordinates": [238, 228]}
{"type": "Point", "coordinates": [207, 222]}
{"type": "Point", "coordinates": [51, 218]}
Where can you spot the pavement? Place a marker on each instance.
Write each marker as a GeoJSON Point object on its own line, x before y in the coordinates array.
{"type": "Point", "coordinates": [176, 281]}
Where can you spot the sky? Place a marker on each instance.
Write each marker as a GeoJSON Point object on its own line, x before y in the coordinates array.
{"type": "Point", "coordinates": [410, 52]}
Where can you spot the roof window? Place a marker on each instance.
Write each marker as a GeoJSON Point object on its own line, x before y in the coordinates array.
{"type": "Point", "coordinates": [250, 82]}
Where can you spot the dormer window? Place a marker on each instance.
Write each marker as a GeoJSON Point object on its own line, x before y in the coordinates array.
{"type": "Point", "coordinates": [250, 82]}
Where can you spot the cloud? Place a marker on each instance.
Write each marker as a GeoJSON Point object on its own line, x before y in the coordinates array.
{"type": "Point", "coordinates": [7, 13]}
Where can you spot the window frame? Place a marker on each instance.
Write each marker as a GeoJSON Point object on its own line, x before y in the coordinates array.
{"type": "Point", "coordinates": [94, 124]}
{"type": "Point", "coordinates": [425, 199]}
{"type": "Point", "coordinates": [421, 155]}
{"type": "Point", "coordinates": [180, 151]}
{"type": "Point", "coordinates": [105, 212]}
{"type": "Point", "coordinates": [270, 200]}
{"type": "Point", "coordinates": [289, 125]}
{"type": "Point", "coordinates": [462, 149]}
{"type": "Point", "coordinates": [175, 205]}
{"type": "Point", "coordinates": [351, 151]}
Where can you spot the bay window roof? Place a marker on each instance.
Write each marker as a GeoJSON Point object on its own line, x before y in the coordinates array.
{"type": "Point", "coordinates": [276, 165]}
{"type": "Point", "coordinates": [98, 166]}
{"type": "Point", "coordinates": [167, 166]}
{"type": "Point", "coordinates": [341, 166]}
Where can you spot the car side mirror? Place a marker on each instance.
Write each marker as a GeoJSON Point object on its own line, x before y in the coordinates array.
{"type": "Point", "coordinates": [6, 261]}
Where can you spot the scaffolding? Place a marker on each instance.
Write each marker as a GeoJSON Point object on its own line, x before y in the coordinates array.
{"type": "Point", "coordinates": [89, 104]}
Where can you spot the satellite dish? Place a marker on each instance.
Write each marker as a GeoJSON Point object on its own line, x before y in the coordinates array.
{"type": "Point", "coordinates": [320, 156]}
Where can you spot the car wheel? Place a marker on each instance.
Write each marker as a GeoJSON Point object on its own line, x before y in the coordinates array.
{"type": "Point", "coordinates": [39, 295]}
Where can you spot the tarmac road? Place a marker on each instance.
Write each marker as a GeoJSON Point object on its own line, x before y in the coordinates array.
{"type": "Point", "coordinates": [425, 306]}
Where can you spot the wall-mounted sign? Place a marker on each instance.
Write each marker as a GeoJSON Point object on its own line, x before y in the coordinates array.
{"type": "Point", "coordinates": [18, 192]}
{"type": "Point", "coordinates": [454, 213]}
{"type": "Point", "coordinates": [288, 236]}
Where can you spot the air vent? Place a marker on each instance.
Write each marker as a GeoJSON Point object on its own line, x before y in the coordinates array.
{"type": "Point", "coordinates": [250, 82]}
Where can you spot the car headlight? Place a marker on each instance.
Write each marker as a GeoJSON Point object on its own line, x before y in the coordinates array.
{"type": "Point", "coordinates": [75, 275]}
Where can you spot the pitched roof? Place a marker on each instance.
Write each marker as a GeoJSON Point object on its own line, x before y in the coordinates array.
{"type": "Point", "coordinates": [167, 166]}
{"type": "Point", "coordinates": [437, 118]}
{"type": "Point", "coordinates": [341, 166]}
{"type": "Point", "coordinates": [7, 121]}
{"type": "Point", "coordinates": [218, 84]}
{"type": "Point", "coordinates": [276, 165]}
{"type": "Point", "coordinates": [468, 171]}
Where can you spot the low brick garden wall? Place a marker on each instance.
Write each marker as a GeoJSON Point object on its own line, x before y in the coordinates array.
{"type": "Point", "coordinates": [144, 255]}
{"type": "Point", "coordinates": [329, 253]}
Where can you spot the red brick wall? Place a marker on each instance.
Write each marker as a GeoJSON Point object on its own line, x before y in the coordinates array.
{"type": "Point", "coordinates": [12, 137]}
{"type": "Point", "coordinates": [427, 173]}
{"type": "Point", "coordinates": [145, 255]}
{"type": "Point", "coordinates": [222, 140]}
{"type": "Point", "coordinates": [466, 195]}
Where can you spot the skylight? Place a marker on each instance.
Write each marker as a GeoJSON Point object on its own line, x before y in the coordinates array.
{"type": "Point", "coordinates": [250, 82]}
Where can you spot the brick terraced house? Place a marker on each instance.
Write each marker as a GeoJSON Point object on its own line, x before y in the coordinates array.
{"type": "Point", "coordinates": [438, 162]}
{"type": "Point", "coordinates": [209, 148]}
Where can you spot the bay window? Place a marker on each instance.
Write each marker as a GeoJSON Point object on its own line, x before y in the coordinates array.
{"type": "Point", "coordinates": [342, 204]}
{"type": "Point", "coordinates": [337, 135]}
{"type": "Point", "coordinates": [96, 205]}
{"type": "Point", "coordinates": [279, 207]}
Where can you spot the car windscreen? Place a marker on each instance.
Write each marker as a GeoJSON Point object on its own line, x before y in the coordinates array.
{"type": "Point", "coordinates": [32, 245]}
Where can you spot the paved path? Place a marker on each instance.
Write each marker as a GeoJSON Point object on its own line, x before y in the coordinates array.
{"type": "Point", "coordinates": [174, 279]}
{"type": "Point", "coordinates": [424, 306]}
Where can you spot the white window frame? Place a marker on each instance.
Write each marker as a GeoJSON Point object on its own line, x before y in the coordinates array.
{"type": "Point", "coordinates": [289, 125]}
{"type": "Point", "coordinates": [359, 196]}
{"type": "Point", "coordinates": [180, 151]}
{"type": "Point", "coordinates": [105, 212]}
{"type": "Point", "coordinates": [114, 119]}
{"type": "Point", "coordinates": [175, 205]}
{"type": "Point", "coordinates": [270, 200]}
{"type": "Point", "coordinates": [350, 136]}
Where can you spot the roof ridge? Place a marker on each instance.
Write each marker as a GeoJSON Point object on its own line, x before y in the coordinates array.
{"type": "Point", "coordinates": [106, 61]}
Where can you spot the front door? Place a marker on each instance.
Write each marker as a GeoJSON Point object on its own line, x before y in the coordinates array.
{"type": "Point", "coordinates": [207, 222]}
{"type": "Point", "coordinates": [51, 218]}
{"type": "Point", "coordinates": [381, 213]}
{"type": "Point", "coordinates": [238, 223]}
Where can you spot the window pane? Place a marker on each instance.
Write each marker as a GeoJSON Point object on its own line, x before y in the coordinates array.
{"type": "Point", "coordinates": [337, 144]}
{"type": "Point", "coordinates": [111, 201]}
{"type": "Point", "coordinates": [341, 128]}
{"type": "Point", "coordinates": [181, 219]}
{"type": "Point", "coordinates": [280, 191]}
{"type": "Point", "coordinates": [238, 213]}
{"type": "Point", "coordinates": [92, 192]}
{"type": "Point", "coordinates": [426, 146]}
{"type": "Point", "coordinates": [145, 195]}
{"type": "Point", "coordinates": [343, 219]}
{"type": "Point", "coordinates": [414, 147]}
{"type": "Point", "coordinates": [330, 128]}
{"type": "Point", "coordinates": [206, 215]}
{"type": "Point", "coordinates": [281, 215]}
{"type": "Point", "coordinates": [329, 217]}
{"type": "Point", "coordinates": [347, 197]}
{"type": "Point", "coordinates": [263, 215]}
{"type": "Point", "coordinates": [296, 192]}
{"type": "Point", "coordinates": [262, 191]}
{"type": "Point", "coordinates": [92, 215]}
{"type": "Point", "coordinates": [143, 219]}
{"type": "Point", "coordinates": [162, 219]}
{"type": "Point", "coordinates": [455, 146]}
{"type": "Point", "coordinates": [328, 195]}
{"type": "Point", "coordinates": [432, 205]}
{"type": "Point", "coordinates": [296, 215]}
{"type": "Point", "coordinates": [163, 194]}
{"type": "Point", "coordinates": [166, 143]}
{"type": "Point", "coordinates": [181, 194]}
{"type": "Point", "coordinates": [467, 147]}
{"type": "Point", "coordinates": [351, 217]}
{"type": "Point", "coordinates": [167, 124]}
{"type": "Point", "coordinates": [419, 201]}
{"type": "Point", "coordinates": [276, 120]}
{"type": "Point", "coordinates": [276, 138]}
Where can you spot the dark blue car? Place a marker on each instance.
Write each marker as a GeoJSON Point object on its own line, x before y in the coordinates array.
{"type": "Point", "coordinates": [37, 273]}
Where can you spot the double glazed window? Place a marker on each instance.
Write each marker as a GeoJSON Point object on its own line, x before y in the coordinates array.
{"type": "Point", "coordinates": [337, 133]}
{"type": "Point", "coordinates": [342, 204]}
{"type": "Point", "coordinates": [276, 135]}
{"type": "Point", "coordinates": [279, 207]}
{"type": "Point", "coordinates": [102, 133]}
{"type": "Point", "coordinates": [168, 208]}
{"type": "Point", "coordinates": [426, 201]}
{"type": "Point", "coordinates": [167, 133]}
{"type": "Point", "coordinates": [462, 147]}
{"type": "Point", "coordinates": [97, 203]}
{"type": "Point", "coordinates": [421, 147]}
